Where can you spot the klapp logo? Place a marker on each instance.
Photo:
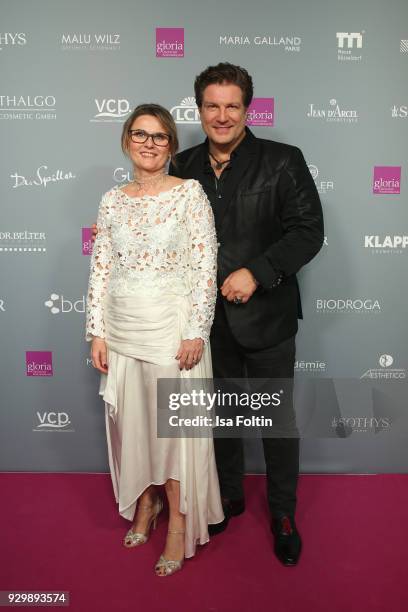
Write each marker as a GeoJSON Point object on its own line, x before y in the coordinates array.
{"type": "Point", "coordinates": [39, 363]}
{"type": "Point", "coordinates": [386, 243]}
{"type": "Point", "coordinates": [169, 42]}
{"type": "Point", "coordinates": [111, 110]}
{"type": "Point", "coordinates": [59, 304]}
{"type": "Point", "coordinates": [186, 112]}
{"type": "Point", "coordinates": [52, 421]}
{"type": "Point", "coordinates": [10, 39]}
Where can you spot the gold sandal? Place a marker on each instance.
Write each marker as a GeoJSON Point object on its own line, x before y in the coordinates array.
{"type": "Point", "coordinates": [133, 538]}
{"type": "Point", "coordinates": [170, 566]}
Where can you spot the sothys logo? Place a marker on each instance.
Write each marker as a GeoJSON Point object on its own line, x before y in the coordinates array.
{"type": "Point", "coordinates": [111, 110]}
{"type": "Point", "coordinates": [386, 244]}
{"type": "Point", "coordinates": [385, 371]}
{"type": "Point", "coordinates": [387, 180]}
{"type": "Point", "coordinates": [322, 186]}
{"type": "Point", "coordinates": [345, 426]}
{"type": "Point", "coordinates": [169, 42]}
{"type": "Point", "coordinates": [39, 363]}
{"type": "Point", "coordinates": [186, 111]}
{"type": "Point", "coordinates": [355, 305]}
{"type": "Point", "coordinates": [10, 39]}
{"type": "Point", "coordinates": [53, 421]}
{"type": "Point", "coordinates": [59, 304]}
{"type": "Point", "coordinates": [399, 112]}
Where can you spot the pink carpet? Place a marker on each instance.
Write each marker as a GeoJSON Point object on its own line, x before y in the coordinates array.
{"type": "Point", "coordinates": [62, 532]}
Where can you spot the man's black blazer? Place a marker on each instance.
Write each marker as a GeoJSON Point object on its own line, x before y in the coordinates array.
{"type": "Point", "coordinates": [272, 224]}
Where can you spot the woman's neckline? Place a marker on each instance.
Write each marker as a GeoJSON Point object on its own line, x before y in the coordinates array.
{"type": "Point", "coordinates": [150, 196]}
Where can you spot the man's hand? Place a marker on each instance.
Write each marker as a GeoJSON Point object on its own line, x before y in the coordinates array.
{"type": "Point", "coordinates": [94, 232]}
{"type": "Point", "coordinates": [99, 355]}
{"type": "Point", "coordinates": [190, 353]}
{"type": "Point", "coordinates": [239, 284]}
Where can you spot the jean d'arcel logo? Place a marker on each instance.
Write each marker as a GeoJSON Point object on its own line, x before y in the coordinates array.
{"type": "Point", "coordinates": [285, 43]}
{"type": "Point", "coordinates": [347, 45]}
{"type": "Point", "coordinates": [333, 113]}
{"type": "Point", "coordinates": [106, 41]}
{"type": "Point", "coordinates": [111, 110]}
{"type": "Point", "coordinates": [25, 242]}
{"type": "Point", "coordinates": [28, 107]}
{"type": "Point", "coordinates": [186, 112]}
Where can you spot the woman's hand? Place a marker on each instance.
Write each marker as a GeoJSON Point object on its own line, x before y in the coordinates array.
{"type": "Point", "coordinates": [99, 355]}
{"type": "Point", "coordinates": [190, 353]}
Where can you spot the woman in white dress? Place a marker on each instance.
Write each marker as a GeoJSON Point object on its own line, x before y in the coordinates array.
{"type": "Point", "coordinates": [150, 306]}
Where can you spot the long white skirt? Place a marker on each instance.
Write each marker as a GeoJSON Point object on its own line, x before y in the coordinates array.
{"type": "Point", "coordinates": [143, 335]}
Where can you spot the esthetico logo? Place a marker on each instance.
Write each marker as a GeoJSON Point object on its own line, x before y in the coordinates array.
{"type": "Point", "coordinates": [39, 363]}
{"type": "Point", "coordinates": [169, 42]}
{"type": "Point", "coordinates": [387, 180]}
{"type": "Point", "coordinates": [261, 112]}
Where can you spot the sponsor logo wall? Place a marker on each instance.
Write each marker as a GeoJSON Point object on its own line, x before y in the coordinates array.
{"type": "Point", "coordinates": [315, 88]}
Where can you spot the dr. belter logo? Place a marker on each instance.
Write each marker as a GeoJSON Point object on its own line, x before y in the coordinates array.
{"type": "Point", "coordinates": [58, 304]}
{"type": "Point", "coordinates": [169, 42]}
{"type": "Point", "coordinates": [53, 421]}
{"type": "Point", "coordinates": [110, 110]}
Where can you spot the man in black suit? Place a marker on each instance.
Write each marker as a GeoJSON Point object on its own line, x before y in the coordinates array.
{"type": "Point", "coordinates": [269, 224]}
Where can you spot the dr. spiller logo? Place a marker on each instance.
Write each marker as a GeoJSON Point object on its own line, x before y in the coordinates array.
{"type": "Point", "coordinates": [86, 241]}
{"type": "Point", "coordinates": [39, 363]}
{"type": "Point", "coordinates": [110, 110]}
{"type": "Point", "coordinates": [59, 304]}
{"type": "Point", "coordinates": [106, 41]}
{"type": "Point", "coordinates": [323, 186]}
{"type": "Point", "coordinates": [169, 42]}
{"type": "Point", "coordinates": [41, 178]}
{"type": "Point", "coordinates": [383, 245]}
{"type": "Point", "coordinates": [334, 113]}
{"type": "Point", "coordinates": [387, 180]}
{"type": "Point", "coordinates": [346, 43]}
{"type": "Point", "coordinates": [25, 242]}
{"type": "Point", "coordinates": [28, 107]}
{"type": "Point", "coordinates": [12, 39]}
{"type": "Point", "coordinates": [348, 305]}
{"type": "Point", "coordinates": [385, 371]}
{"type": "Point", "coordinates": [261, 112]}
{"type": "Point", "coordinates": [186, 111]}
{"type": "Point", "coordinates": [53, 421]}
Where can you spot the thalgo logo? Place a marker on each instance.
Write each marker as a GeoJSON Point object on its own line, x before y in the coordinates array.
{"type": "Point", "coordinates": [59, 304]}
{"type": "Point", "coordinates": [169, 42]}
{"type": "Point", "coordinates": [387, 180]}
{"type": "Point", "coordinates": [49, 421]}
{"type": "Point", "coordinates": [261, 112]}
{"type": "Point", "coordinates": [186, 111]}
{"type": "Point", "coordinates": [86, 241]}
{"type": "Point", "coordinates": [39, 363]}
{"type": "Point", "coordinates": [10, 39]}
{"type": "Point", "coordinates": [111, 110]}
{"type": "Point", "coordinates": [348, 305]}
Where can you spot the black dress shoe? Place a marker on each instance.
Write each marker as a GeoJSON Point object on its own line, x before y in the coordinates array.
{"type": "Point", "coordinates": [287, 540]}
{"type": "Point", "coordinates": [231, 507]}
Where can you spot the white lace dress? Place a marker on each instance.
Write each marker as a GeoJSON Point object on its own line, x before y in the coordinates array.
{"type": "Point", "coordinates": [153, 283]}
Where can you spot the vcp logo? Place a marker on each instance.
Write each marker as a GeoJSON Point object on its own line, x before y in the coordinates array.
{"type": "Point", "coordinates": [186, 111]}
{"type": "Point", "coordinates": [111, 110]}
{"type": "Point", "coordinates": [51, 421]}
{"type": "Point", "coordinates": [59, 304]}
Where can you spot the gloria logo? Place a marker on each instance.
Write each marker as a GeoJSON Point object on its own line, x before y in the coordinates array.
{"type": "Point", "coordinates": [10, 39]}
{"type": "Point", "coordinates": [386, 244]}
{"type": "Point", "coordinates": [27, 107]}
{"type": "Point", "coordinates": [322, 186]}
{"type": "Point", "coordinates": [404, 46]}
{"type": "Point", "coordinates": [346, 42]}
{"type": "Point", "coordinates": [387, 180]}
{"type": "Point", "coordinates": [23, 242]}
{"type": "Point", "coordinates": [111, 110]}
{"type": "Point", "coordinates": [287, 43]}
{"type": "Point", "coordinates": [106, 41]}
{"type": "Point", "coordinates": [86, 241]}
{"type": "Point", "coordinates": [186, 111]}
{"type": "Point", "coordinates": [261, 112]}
{"type": "Point", "coordinates": [347, 305]}
{"type": "Point", "coordinates": [385, 371]}
{"type": "Point", "coordinates": [333, 113]}
{"type": "Point", "coordinates": [53, 421]}
{"type": "Point", "coordinates": [169, 42]}
{"type": "Point", "coordinates": [41, 178]}
{"type": "Point", "coordinates": [39, 363]}
{"type": "Point", "coordinates": [59, 304]}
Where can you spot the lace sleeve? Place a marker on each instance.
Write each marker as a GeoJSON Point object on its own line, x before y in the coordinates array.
{"type": "Point", "coordinates": [101, 263]}
{"type": "Point", "coordinates": [203, 261]}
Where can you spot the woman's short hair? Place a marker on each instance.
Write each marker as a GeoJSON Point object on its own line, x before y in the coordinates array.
{"type": "Point", "coordinates": [224, 72]}
{"type": "Point", "coordinates": [165, 118]}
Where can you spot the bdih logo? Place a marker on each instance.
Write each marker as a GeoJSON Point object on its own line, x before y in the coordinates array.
{"type": "Point", "coordinates": [111, 110]}
{"type": "Point", "coordinates": [186, 112]}
{"type": "Point", "coordinates": [353, 37]}
{"type": "Point", "coordinates": [9, 39]}
{"type": "Point", "coordinates": [59, 304]}
{"type": "Point", "coordinates": [53, 420]}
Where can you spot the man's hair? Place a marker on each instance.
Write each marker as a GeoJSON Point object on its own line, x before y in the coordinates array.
{"type": "Point", "coordinates": [224, 72]}
{"type": "Point", "coordinates": [165, 118]}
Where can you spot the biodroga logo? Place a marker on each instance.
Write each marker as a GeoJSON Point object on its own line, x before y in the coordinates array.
{"type": "Point", "coordinates": [387, 180]}
{"type": "Point", "coordinates": [86, 241]}
{"type": "Point", "coordinates": [110, 110]}
{"type": "Point", "coordinates": [186, 111]}
{"type": "Point", "coordinates": [39, 363]}
{"type": "Point", "coordinates": [169, 42]}
{"type": "Point", "coordinates": [347, 305]}
{"type": "Point", "coordinates": [261, 112]}
{"type": "Point", "coordinates": [333, 114]}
